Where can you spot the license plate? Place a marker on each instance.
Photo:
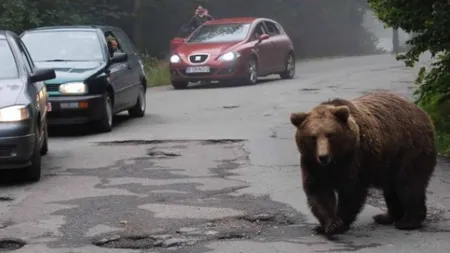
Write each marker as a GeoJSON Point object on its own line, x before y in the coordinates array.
{"type": "Point", "coordinates": [198, 69]}
{"type": "Point", "coordinates": [49, 107]}
{"type": "Point", "coordinates": [69, 105]}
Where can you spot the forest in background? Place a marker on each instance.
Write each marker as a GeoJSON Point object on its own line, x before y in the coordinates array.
{"type": "Point", "coordinates": [318, 28]}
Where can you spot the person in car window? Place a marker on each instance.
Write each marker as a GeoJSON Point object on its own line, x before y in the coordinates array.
{"type": "Point", "coordinates": [112, 45]}
{"type": "Point", "coordinates": [200, 17]}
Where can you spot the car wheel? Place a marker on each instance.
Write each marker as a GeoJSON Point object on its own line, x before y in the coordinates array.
{"type": "Point", "coordinates": [289, 71]}
{"type": "Point", "coordinates": [252, 72]}
{"type": "Point", "coordinates": [32, 173]}
{"type": "Point", "coordinates": [179, 85]}
{"type": "Point", "coordinates": [139, 109]}
{"type": "Point", "coordinates": [105, 124]}
{"type": "Point", "coordinates": [44, 148]}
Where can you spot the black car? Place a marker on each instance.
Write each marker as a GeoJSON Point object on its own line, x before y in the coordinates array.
{"type": "Point", "coordinates": [23, 108]}
{"type": "Point", "coordinates": [98, 73]}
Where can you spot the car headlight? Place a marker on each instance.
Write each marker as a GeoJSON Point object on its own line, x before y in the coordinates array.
{"type": "Point", "coordinates": [175, 59]}
{"type": "Point", "coordinates": [230, 56]}
{"type": "Point", "coordinates": [14, 113]}
{"type": "Point", "coordinates": [73, 88]}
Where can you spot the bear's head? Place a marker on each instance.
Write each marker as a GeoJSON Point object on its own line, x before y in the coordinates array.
{"type": "Point", "coordinates": [325, 133]}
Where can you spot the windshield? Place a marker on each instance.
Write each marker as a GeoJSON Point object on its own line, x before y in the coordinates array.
{"type": "Point", "coordinates": [8, 67]}
{"type": "Point", "coordinates": [63, 46]}
{"type": "Point", "coordinates": [220, 33]}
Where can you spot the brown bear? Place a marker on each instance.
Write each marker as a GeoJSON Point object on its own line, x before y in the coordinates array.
{"type": "Point", "coordinates": [378, 140]}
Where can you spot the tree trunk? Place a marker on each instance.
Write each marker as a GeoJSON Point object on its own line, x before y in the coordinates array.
{"type": "Point", "coordinates": [137, 26]}
{"type": "Point", "coordinates": [395, 40]}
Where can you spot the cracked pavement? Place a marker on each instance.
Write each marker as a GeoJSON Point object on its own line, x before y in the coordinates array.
{"type": "Point", "coordinates": [209, 169]}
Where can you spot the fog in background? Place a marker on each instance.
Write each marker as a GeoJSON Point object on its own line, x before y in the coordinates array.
{"type": "Point", "coordinates": [319, 28]}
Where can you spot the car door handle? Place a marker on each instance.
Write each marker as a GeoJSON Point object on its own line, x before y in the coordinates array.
{"type": "Point", "coordinates": [129, 66]}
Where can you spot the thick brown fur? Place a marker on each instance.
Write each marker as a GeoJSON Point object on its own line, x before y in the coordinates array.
{"type": "Point", "coordinates": [348, 146]}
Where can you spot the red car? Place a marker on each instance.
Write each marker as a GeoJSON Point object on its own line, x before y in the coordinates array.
{"type": "Point", "coordinates": [230, 50]}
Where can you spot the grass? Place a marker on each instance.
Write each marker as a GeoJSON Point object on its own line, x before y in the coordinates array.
{"type": "Point", "coordinates": [439, 112]}
{"type": "Point", "coordinates": [157, 71]}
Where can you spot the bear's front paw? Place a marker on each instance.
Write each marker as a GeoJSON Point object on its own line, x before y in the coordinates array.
{"type": "Point", "coordinates": [319, 230]}
{"type": "Point", "coordinates": [336, 227]}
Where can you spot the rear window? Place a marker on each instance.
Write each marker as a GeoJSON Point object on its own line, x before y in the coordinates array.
{"type": "Point", "coordinates": [220, 33]}
{"type": "Point", "coordinates": [8, 65]}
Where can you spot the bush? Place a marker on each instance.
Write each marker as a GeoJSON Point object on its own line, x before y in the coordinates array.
{"type": "Point", "coordinates": [157, 71]}
{"type": "Point", "coordinates": [428, 21]}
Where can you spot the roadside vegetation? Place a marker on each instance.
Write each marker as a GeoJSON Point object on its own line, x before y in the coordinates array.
{"type": "Point", "coordinates": [157, 70]}
{"type": "Point", "coordinates": [429, 21]}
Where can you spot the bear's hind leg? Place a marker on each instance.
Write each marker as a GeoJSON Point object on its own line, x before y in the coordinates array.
{"type": "Point", "coordinates": [412, 197]}
{"type": "Point", "coordinates": [394, 208]}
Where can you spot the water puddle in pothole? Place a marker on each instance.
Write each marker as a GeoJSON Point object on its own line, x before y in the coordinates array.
{"type": "Point", "coordinates": [11, 244]}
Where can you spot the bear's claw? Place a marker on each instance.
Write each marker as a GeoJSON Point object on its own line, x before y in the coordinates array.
{"type": "Point", "coordinates": [383, 219]}
{"type": "Point", "coordinates": [336, 227]}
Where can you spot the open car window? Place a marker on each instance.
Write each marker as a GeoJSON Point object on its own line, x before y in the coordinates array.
{"type": "Point", "coordinates": [220, 33]}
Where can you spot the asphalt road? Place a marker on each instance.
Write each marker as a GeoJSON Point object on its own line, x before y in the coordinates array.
{"type": "Point", "coordinates": [209, 169]}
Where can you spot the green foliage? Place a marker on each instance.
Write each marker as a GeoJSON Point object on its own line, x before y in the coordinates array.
{"type": "Point", "coordinates": [157, 71]}
{"type": "Point", "coordinates": [429, 21]}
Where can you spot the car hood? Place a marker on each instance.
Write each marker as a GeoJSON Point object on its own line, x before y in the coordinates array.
{"type": "Point", "coordinates": [71, 71]}
{"type": "Point", "coordinates": [214, 49]}
{"type": "Point", "coordinates": [9, 91]}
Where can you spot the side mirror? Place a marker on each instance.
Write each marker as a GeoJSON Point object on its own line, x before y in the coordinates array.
{"type": "Point", "coordinates": [263, 37]}
{"type": "Point", "coordinates": [119, 57]}
{"type": "Point", "coordinates": [42, 75]}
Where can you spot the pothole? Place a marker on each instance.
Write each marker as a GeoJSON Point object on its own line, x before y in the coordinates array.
{"type": "Point", "coordinates": [153, 142]}
{"type": "Point", "coordinates": [245, 227]}
{"type": "Point", "coordinates": [10, 244]}
{"type": "Point", "coordinates": [6, 198]}
{"type": "Point", "coordinates": [309, 89]}
{"type": "Point", "coordinates": [161, 154]}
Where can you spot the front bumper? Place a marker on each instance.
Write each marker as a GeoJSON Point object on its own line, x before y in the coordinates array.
{"type": "Point", "coordinates": [75, 109]}
{"type": "Point", "coordinates": [219, 71]}
{"type": "Point", "coordinates": [16, 151]}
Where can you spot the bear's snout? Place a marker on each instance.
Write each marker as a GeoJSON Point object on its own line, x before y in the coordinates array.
{"type": "Point", "coordinates": [324, 159]}
{"type": "Point", "coordinates": [323, 151]}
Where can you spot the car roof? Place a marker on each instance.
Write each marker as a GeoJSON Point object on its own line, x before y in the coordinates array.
{"type": "Point", "coordinates": [240, 20]}
{"type": "Point", "coordinates": [73, 27]}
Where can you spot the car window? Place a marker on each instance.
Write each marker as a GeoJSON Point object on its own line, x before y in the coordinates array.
{"type": "Point", "coordinates": [114, 44]}
{"type": "Point", "coordinates": [8, 65]}
{"type": "Point", "coordinates": [272, 28]}
{"type": "Point", "coordinates": [28, 63]}
{"type": "Point", "coordinates": [125, 41]}
{"type": "Point", "coordinates": [220, 33]}
{"type": "Point", "coordinates": [63, 45]}
{"type": "Point", "coordinates": [259, 30]}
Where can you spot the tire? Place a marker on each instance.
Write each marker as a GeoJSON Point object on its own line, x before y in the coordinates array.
{"type": "Point", "coordinates": [138, 110]}
{"type": "Point", "coordinates": [289, 71]}
{"type": "Point", "coordinates": [32, 173]}
{"type": "Point", "coordinates": [44, 148]}
{"type": "Point", "coordinates": [251, 77]}
{"type": "Point", "coordinates": [104, 125]}
{"type": "Point", "coordinates": [179, 85]}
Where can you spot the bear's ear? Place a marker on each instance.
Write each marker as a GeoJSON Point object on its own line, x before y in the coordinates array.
{"type": "Point", "coordinates": [341, 112]}
{"type": "Point", "coordinates": [297, 118]}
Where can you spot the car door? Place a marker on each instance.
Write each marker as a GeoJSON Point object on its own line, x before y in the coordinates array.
{"type": "Point", "coordinates": [118, 77]}
{"type": "Point", "coordinates": [39, 90]}
{"type": "Point", "coordinates": [277, 54]}
{"type": "Point", "coordinates": [262, 48]}
{"type": "Point", "coordinates": [133, 76]}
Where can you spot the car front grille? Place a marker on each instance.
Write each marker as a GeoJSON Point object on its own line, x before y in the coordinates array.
{"type": "Point", "coordinates": [198, 58]}
{"type": "Point", "coordinates": [52, 87]}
